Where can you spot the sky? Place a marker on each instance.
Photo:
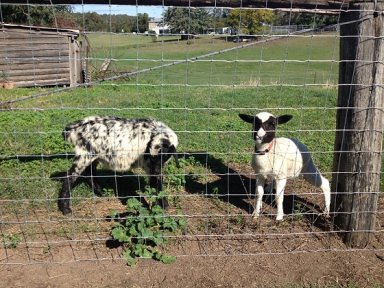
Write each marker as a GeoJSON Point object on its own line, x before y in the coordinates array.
{"type": "Point", "coordinates": [152, 11]}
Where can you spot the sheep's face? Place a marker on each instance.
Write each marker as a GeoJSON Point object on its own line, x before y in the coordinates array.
{"type": "Point", "coordinates": [264, 125]}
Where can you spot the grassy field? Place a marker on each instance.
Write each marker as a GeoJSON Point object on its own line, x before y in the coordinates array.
{"type": "Point", "coordinates": [200, 100]}
{"type": "Point", "coordinates": [302, 60]}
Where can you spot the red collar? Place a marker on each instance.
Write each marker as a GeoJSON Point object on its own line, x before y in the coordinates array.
{"type": "Point", "coordinates": [263, 152]}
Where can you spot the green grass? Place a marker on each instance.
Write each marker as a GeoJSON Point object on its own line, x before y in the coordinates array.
{"type": "Point", "coordinates": [303, 60]}
{"type": "Point", "coordinates": [215, 129]}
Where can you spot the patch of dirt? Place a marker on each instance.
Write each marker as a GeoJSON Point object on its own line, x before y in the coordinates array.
{"type": "Point", "coordinates": [222, 246]}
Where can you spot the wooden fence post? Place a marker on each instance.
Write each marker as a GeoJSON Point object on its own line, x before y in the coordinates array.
{"type": "Point", "coordinates": [360, 122]}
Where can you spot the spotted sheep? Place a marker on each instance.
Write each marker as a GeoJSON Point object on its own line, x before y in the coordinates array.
{"type": "Point", "coordinates": [280, 159]}
{"type": "Point", "coordinates": [118, 144]}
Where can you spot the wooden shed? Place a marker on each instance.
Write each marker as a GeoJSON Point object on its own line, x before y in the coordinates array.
{"type": "Point", "coordinates": [40, 56]}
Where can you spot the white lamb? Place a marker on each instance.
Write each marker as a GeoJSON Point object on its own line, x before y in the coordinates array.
{"type": "Point", "coordinates": [280, 159]}
{"type": "Point", "coordinates": [119, 144]}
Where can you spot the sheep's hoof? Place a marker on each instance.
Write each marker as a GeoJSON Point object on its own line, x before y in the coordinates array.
{"type": "Point", "coordinates": [64, 209]}
{"type": "Point", "coordinates": [164, 203]}
{"type": "Point", "coordinates": [99, 193]}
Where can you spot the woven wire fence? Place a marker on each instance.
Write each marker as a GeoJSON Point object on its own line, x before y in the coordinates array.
{"type": "Point", "coordinates": [197, 84]}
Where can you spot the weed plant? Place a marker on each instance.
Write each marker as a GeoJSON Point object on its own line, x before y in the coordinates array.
{"type": "Point", "coordinates": [143, 230]}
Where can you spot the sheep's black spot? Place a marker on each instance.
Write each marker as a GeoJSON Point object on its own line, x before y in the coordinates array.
{"type": "Point", "coordinates": [147, 152]}
{"type": "Point", "coordinates": [88, 146]}
{"type": "Point", "coordinates": [76, 158]}
{"type": "Point", "coordinates": [165, 142]}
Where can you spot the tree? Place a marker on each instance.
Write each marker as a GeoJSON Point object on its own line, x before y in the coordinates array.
{"type": "Point", "coordinates": [95, 22]}
{"type": "Point", "coordinates": [34, 15]}
{"type": "Point", "coordinates": [142, 23]}
{"type": "Point", "coordinates": [188, 21]}
{"type": "Point", "coordinates": [219, 16]}
{"type": "Point", "coordinates": [249, 21]}
{"type": "Point", "coordinates": [122, 23]}
{"type": "Point", "coordinates": [310, 19]}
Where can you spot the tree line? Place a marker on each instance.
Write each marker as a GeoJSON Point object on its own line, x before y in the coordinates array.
{"type": "Point", "coordinates": [179, 20]}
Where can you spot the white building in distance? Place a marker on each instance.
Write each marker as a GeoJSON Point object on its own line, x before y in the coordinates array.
{"type": "Point", "coordinates": [157, 25]}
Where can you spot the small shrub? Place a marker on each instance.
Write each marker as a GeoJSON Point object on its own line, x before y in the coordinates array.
{"type": "Point", "coordinates": [175, 175]}
{"type": "Point", "coordinates": [143, 232]}
{"type": "Point", "coordinates": [12, 240]}
{"type": "Point", "coordinates": [298, 212]}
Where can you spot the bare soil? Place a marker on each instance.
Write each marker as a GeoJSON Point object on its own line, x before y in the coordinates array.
{"type": "Point", "coordinates": [222, 246]}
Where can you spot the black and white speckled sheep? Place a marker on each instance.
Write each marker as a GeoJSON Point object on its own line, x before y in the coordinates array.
{"type": "Point", "coordinates": [118, 144]}
{"type": "Point", "coordinates": [280, 159]}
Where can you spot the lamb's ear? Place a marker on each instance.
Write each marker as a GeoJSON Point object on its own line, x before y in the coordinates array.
{"type": "Point", "coordinates": [283, 119]}
{"type": "Point", "coordinates": [247, 118]}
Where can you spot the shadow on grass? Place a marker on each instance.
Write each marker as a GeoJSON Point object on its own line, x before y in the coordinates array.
{"type": "Point", "coordinates": [121, 185]}
{"type": "Point", "coordinates": [238, 189]}
{"type": "Point", "coordinates": [230, 186]}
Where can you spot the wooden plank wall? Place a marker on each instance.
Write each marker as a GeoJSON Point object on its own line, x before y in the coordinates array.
{"type": "Point", "coordinates": [33, 58]}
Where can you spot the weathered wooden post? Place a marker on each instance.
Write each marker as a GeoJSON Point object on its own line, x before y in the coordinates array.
{"type": "Point", "coordinates": [360, 122]}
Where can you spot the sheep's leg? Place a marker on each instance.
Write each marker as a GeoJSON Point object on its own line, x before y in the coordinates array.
{"type": "Point", "coordinates": [156, 181]}
{"type": "Point", "coordinates": [260, 181]}
{"type": "Point", "coordinates": [314, 177]}
{"type": "Point", "coordinates": [90, 174]}
{"type": "Point", "coordinates": [156, 178]}
{"type": "Point", "coordinates": [80, 163]}
{"type": "Point", "coordinates": [279, 197]}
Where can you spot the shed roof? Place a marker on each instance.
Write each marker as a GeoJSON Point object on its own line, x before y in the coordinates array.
{"type": "Point", "coordinates": [40, 29]}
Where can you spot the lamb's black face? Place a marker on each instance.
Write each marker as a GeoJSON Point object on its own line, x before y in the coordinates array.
{"type": "Point", "coordinates": [264, 132]}
{"type": "Point", "coordinates": [264, 125]}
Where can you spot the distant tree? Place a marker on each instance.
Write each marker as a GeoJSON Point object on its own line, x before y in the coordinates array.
{"type": "Point", "coordinates": [219, 16]}
{"type": "Point", "coordinates": [310, 19]}
{"type": "Point", "coordinates": [94, 22]}
{"type": "Point", "coordinates": [34, 15]}
{"type": "Point", "coordinates": [142, 23]}
{"type": "Point", "coordinates": [189, 21]}
{"type": "Point", "coordinates": [247, 21]}
{"type": "Point", "coordinates": [122, 23]}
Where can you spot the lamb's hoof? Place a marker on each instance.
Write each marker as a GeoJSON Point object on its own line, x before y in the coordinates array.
{"type": "Point", "coordinates": [255, 215]}
{"type": "Point", "coordinates": [279, 217]}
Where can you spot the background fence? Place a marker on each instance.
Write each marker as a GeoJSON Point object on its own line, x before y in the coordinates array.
{"type": "Point", "coordinates": [198, 86]}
